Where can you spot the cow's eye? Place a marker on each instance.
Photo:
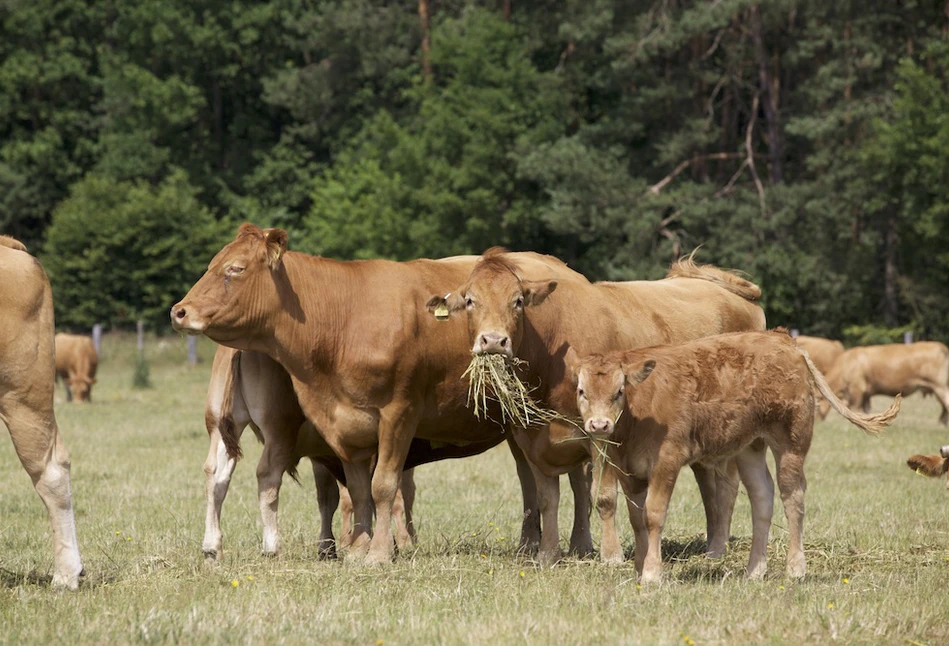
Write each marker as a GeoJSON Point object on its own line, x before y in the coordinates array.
{"type": "Point", "coordinates": [619, 393]}
{"type": "Point", "coordinates": [234, 270]}
{"type": "Point", "coordinates": [468, 302]}
{"type": "Point", "coordinates": [581, 394]}
{"type": "Point", "coordinates": [519, 303]}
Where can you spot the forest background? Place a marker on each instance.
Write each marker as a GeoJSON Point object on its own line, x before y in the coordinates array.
{"type": "Point", "coordinates": [804, 142]}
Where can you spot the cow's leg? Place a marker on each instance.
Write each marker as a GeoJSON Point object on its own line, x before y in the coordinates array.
{"type": "Point", "coordinates": [530, 524]}
{"type": "Point", "coordinates": [548, 499]}
{"type": "Point", "coordinates": [792, 484]}
{"type": "Point", "coordinates": [753, 469]}
{"type": "Point", "coordinates": [396, 430]}
{"type": "Point", "coordinates": [359, 488]}
{"type": "Point", "coordinates": [725, 477]}
{"type": "Point", "coordinates": [44, 456]}
{"type": "Point", "coordinates": [327, 497]}
{"type": "Point", "coordinates": [274, 460]}
{"type": "Point", "coordinates": [661, 484]}
{"type": "Point", "coordinates": [942, 394]}
{"type": "Point", "coordinates": [408, 496]}
{"type": "Point", "coordinates": [346, 518]}
{"type": "Point", "coordinates": [715, 539]}
{"type": "Point", "coordinates": [604, 490]}
{"type": "Point", "coordinates": [581, 540]}
{"type": "Point", "coordinates": [636, 505]}
{"type": "Point", "coordinates": [403, 537]}
{"type": "Point", "coordinates": [218, 469]}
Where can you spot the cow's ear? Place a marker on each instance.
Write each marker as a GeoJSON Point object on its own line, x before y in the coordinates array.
{"type": "Point", "coordinates": [249, 229]}
{"type": "Point", "coordinates": [276, 246]}
{"type": "Point", "coordinates": [572, 361]}
{"type": "Point", "coordinates": [636, 373]}
{"type": "Point", "coordinates": [444, 306]}
{"type": "Point", "coordinates": [537, 291]}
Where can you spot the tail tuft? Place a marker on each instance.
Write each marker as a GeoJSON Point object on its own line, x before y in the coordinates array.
{"type": "Point", "coordinates": [928, 465]}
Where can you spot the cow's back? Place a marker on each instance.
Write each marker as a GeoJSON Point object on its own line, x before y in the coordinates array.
{"type": "Point", "coordinates": [902, 368]}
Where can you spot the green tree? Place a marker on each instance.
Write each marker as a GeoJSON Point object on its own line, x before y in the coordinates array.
{"type": "Point", "coordinates": [120, 251]}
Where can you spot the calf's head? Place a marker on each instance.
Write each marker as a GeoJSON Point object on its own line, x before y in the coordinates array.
{"type": "Point", "coordinates": [602, 383]}
{"type": "Point", "coordinates": [494, 299]}
{"type": "Point", "coordinates": [238, 292]}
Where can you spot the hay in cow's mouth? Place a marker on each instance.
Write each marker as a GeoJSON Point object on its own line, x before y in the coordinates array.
{"type": "Point", "coordinates": [492, 377]}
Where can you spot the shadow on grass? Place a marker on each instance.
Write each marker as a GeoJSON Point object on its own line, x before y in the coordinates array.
{"type": "Point", "coordinates": [10, 579]}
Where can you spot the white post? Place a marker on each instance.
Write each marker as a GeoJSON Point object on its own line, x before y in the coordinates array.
{"type": "Point", "coordinates": [794, 333]}
{"type": "Point", "coordinates": [193, 350]}
{"type": "Point", "coordinates": [97, 338]}
{"type": "Point", "coordinates": [141, 338]}
{"type": "Point", "coordinates": [908, 337]}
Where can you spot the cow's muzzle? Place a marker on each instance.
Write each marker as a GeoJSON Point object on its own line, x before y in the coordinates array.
{"type": "Point", "coordinates": [493, 343]}
{"type": "Point", "coordinates": [599, 426]}
{"type": "Point", "coordinates": [184, 319]}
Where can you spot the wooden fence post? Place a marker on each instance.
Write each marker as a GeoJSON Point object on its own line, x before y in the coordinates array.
{"type": "Point", "coordinates": [141, 338]}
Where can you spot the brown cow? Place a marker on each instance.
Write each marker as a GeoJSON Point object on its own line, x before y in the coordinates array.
{"type": "Point", "coordinates": [706, 401]}
{"type": "Point", "coordinates": [251, 388]}
{"type": "Point", "coordinates": [860, 373]}
{"type": "Point", "coordinates": [931, 465]}
{"type": "Point", "coordinates": [505, 315]}
{"type": "Point", "coordinates": [27, 380]}
{"type": "Point", "coordinates": [371, 370]}
{"type": "Point", "coordinates": [823, 352]}
{"type": "Point", "coordinates": [76, 364]}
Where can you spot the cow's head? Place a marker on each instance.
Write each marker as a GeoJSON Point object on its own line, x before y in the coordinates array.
{"type": "Point", "coordinates": [494, 298]}
{"type": "Point", "coordinates": [238, 292]}
{"type": "Point", "coordinates": [81, 388]}
{"type": "Point", "coordinates": [602, 383]}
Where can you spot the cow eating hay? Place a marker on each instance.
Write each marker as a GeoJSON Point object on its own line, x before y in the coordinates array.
{"type": "Point", "coordinates": [492, 377]}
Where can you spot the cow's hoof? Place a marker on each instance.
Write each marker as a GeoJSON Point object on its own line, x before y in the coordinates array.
{"type": "Point", "coordinates": [548, 558]}
{"type": "Point", "coordinates": [211, 555]}
{"type": "Point", "coordinates": [650, 578]}
{"type": "Point", "coordinates": [757, 573]}
{"type": "Point", "coordinates": [582, 548]}
{"type": "Point", "coordinates": [269, 554]}
{"type": "Point", "coordinates": [796, 568]}
{"type": "Point", "coordinates": [615, 558]}
{"type": "Point", "coordinates": [377, 559]}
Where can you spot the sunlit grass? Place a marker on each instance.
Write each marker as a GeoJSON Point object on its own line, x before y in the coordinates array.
{"type": "Point", "coordinates": [877, 539]}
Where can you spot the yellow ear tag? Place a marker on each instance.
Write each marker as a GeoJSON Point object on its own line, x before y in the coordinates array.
{"type": "Point", "coordinates": [441, 312]}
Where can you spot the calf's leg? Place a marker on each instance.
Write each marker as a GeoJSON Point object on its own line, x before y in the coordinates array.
{"type": "Point", "coordinates": [327, 497]}
{"type": "Point", "coordinates": [753, 469]}
{"type": "Point", "coordinates": [274, 460]}
{"type": "Point", "coordinates": [792, 484]}
{"type": "Point", "coordinates": [636, 505]}
{"type": "Point", "coordinates": [408, 496]}
{"type": "Point", "coordinates": [661, 483]}
{"type": "Point", "coordinates": [403, 539]}
{"type": "Point", "coordinates": [604, 491]}
{"type": "Point", "coordinates": [359, 487]}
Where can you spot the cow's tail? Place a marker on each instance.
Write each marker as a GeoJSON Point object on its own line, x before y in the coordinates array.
{"type": "Point", "coordinates": [871, 424]}
{"type": "Point", "coordinates": [686, 267]}
{"type": "Point", "coordinates": [928, 465]}
{"type": "Point", "coordinates": [224, 420]}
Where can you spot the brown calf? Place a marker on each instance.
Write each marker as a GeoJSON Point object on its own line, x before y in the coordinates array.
{"type": "Point", "coordinates": [727, 396]}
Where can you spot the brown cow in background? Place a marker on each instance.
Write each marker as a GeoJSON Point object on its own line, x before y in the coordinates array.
{"type": "Point", "coordinates": [76, 364]}
{"type": "Point", "coordinates": [860, 373]}
{"type": "Point", "coordinates": [27, 380]}
{"type": "Point", "coordinates": [823, 352]}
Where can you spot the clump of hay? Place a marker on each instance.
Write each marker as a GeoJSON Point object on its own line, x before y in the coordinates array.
{"type": "Point", "coordinates": [492, 378]}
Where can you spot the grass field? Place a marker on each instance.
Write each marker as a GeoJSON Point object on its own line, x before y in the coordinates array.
{"type": "Point", "coordinates": [877, 539]}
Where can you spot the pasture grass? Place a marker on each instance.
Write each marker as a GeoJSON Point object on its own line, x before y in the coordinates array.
{"type": "Point", "coordinates": [877, 544]}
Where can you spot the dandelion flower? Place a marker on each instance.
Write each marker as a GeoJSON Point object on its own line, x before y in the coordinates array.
{"type": "Point", "coordinates": [846, 580]}
{"type": "Point", "coordinates": [522, 574]}
{"type": "Point", "coordinates": [830, 606]}
{"type": "Point", "coordinates": [235, 583]}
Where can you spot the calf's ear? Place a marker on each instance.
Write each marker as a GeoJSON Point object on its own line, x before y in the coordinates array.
{"type": "Point", "coordinates": [636, 373]}
{"type": "Point", "coordinates": [444, 306]}
{"type": "Point", "coordinates": [276, 246]}
{"type": "Point", "coordinates": [572, 361]}
{"type": "Point", "coordinates": [537, 291]}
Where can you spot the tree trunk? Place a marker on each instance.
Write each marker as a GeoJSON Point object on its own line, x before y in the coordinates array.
{"type": "Point", "coordinates": [426, 40]}
{"type": "Point", "coordinates": [769, 100]}
{"type": "Point", "coordinates": [507, 9]}
{"type": "Point", "coordinates": [891, 270]}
